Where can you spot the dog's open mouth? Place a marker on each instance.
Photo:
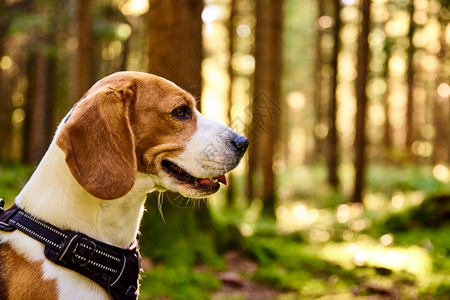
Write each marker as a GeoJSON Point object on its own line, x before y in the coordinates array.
{"type": "Point", "coordinates": [181, 175]}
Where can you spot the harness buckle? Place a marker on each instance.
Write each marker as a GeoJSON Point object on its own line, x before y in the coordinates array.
{"type": "Point", "coordinates": [6, 215]}
{"type": "Point", "coordinates": [83, 251]}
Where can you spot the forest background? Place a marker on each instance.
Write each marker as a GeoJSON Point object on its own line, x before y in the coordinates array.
{"type": "Point", "coordinates": [345, 188]}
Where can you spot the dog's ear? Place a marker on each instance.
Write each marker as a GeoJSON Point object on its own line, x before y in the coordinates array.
{"type": "Point", "coordinates": [99, 144]}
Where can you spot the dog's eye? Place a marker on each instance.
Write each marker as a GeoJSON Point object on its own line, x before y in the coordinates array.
{"type": "Point", "coordinates": [182, 112]}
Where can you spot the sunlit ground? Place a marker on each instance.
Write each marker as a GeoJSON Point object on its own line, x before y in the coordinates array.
{"type": "Point", "coordinates": [354, 235]}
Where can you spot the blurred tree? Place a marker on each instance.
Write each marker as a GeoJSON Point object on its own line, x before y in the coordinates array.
{"type": "Point", "coordinates": [6, 110]}
{"type": "Point", "coordinates": [175, 42]}
{"type": "Point", "coordinates": [361, 101]}
{"type": "Point", "coordinates": [442, 109]}
{"type": "Point", "coordinates": [254, 153]}
{"type": "Point", "coordinates": [41, 74]}
{"type": "Point", "coordinates": [231, 75]}
{"type": "Point", "coordinates": [410, 130]}
{"type": "Point", "coordinates": [318, 99]}
{"type": "Point", "coordinates": [332, 138]}
{"type": "Point", "coordinates": [175, 53]}
{"type": "Point", "coordinates": [266, 96]}
{"type": "Point", "coordinates": [84, 51]}
{"type": "Point", "coordinates": [388, 143]}
{"type": "Point", "coordinates": [5, 89]}
{"type": "Point", "coordinates": [9, 11]}
{"type": "Point", "coordinates": [112, 34]}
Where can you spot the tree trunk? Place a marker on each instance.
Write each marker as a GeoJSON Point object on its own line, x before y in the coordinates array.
{"type": "Point", "coordinates": [410, 84]}
{"type": "Point", "coordinates": [175, 42]}
{"type": "Point", "coordinates": [5, 90]}
{"type": "Point", "coordinates": [5, 107]}
{"type": "Point", "coordinates": [35, 138]}
{"type": "Point", "coordinates": [231, 45]}
{"type": "Point", "coordinates": [332, 153]}
{"type": "Point", "coordinates": [388, 142]}
{"type": "Point", "coordinates": [266, 102]}
{"type": "Point", "coordinates": [6, 110]}
{"type": "Point", "coordinates": [361, 102]}
{"type": "Point", "coordinates": [318, 99]}
{"type": "Point", "coordinates": [175, 53]}
{"type": "Point", "coordinates": [442, 109]}
{"type": "Point", "coordinates": [41, 94]}
{"type": "Point", "coordinates": [83, 25]}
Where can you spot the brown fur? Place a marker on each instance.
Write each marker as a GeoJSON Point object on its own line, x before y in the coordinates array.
{"type": "Point", "coordinates": [16, 273]}
{"type": "Point", "coordinates": [119, 127]}
{"type": "Point", "coordinates": [98, 143]}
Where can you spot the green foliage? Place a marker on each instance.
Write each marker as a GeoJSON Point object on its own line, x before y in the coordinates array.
{"type": "Point", "coordinates": [177, 283]}
{"type": "Point", "coordinates": [441, 290]}
{"type": "Point", "coordinates": [181, 240]}
{"type": "Point", "coordinates": [433, 212]}
{"type": "Point", "coordinates": [108, 31]}
{"type": "Point", "coordinates": [12, 179]}
{"type": "Point", "coordinates": [289, 264]}
{"type": "Point", "coordinates": [390, 179]}
{"type": "Point", "coordinates": [22, 22]}
{"type": "Point", "coordinates": [445, 3]}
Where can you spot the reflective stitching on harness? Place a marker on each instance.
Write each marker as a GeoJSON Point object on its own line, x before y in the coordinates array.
{"type": "Point", "coordinates": [107, 255]}
{"type": "Point", "coordinates": [96, 264]}
{"type": "Point", "coordinates": [42, 224]}
{"type": "Point", "coordinates": [101, 253]}
{"type": "Point", "coordinates": [36, 234]}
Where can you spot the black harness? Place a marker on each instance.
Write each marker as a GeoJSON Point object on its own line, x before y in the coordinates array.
{"type": "Point", "coordinates": [115, 269]}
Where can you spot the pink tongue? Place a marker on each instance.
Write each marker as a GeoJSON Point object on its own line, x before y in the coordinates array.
{"type": "Point", "coordinates": [222, 179]}
{"type": "Point", "coordinates": [205, 181]}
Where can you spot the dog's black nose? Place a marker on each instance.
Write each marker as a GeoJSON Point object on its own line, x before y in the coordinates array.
{"type": "Point", "coordinates": [240, 143]}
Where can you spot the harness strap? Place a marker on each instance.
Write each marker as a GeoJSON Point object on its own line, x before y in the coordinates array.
{"type": "Point", "coordinates": [115, 269]}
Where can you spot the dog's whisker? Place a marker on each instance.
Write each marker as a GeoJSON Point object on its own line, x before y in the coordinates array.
{"type": "Point", "coordinates": [189, 202]}
{"type": "Point", "coordinates": [160, 205]}
{"type": "Point", "coordinates": [174, 200]}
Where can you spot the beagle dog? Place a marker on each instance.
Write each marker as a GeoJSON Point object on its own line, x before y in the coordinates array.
{"type": "Point", "coordinates": [130, 134]}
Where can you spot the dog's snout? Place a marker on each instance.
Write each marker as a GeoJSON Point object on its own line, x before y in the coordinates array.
{"type": "Point", "coordinates": [240, 143]}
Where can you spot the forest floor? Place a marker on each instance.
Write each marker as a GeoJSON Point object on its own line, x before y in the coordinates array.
{"type": "Point", "coordinates": [289, 269]}
{"type": "Point", "coordinates": [394, 246]}
{"type": "Point", "coordinates": [236, 282]}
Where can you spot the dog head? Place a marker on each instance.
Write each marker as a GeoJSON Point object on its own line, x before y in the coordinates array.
{"type": "Point", "coordinates": [132, 122]}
